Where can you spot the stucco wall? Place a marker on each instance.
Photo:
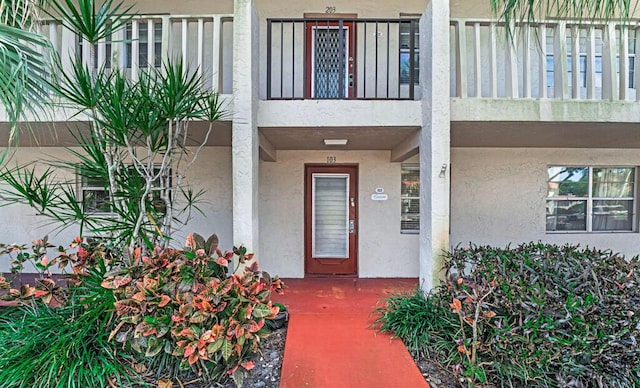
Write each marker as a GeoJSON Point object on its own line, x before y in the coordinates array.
{"type": "Point", "coordinates": [498, 195]}
{"type": "Point", "coordinates": [383, 251]}
{"type": "Point", "coordinates": [211, 172]}
{"type": "Point", "coordinates": [184, 7]}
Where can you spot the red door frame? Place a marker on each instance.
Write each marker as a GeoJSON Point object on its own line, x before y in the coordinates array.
{"type": "Point", "coordinates": [329, 266]}
{"type": "Point", "coordinates": [350, 66]}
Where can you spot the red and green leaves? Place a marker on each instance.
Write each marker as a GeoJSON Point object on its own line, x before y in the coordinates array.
{"type": "Point", "coordinates": [189, 300]}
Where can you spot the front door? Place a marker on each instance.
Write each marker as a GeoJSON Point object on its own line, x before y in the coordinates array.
{"type": "Point", "coordinates": [330, 59]}
{"type": "Point", "coordinates": [331, 220]}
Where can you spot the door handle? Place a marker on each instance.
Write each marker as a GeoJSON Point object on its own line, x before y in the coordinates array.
{"type": "Point", "coordinates": [352, 226]}
{"type": "Point", "coordinates": [350, 80]}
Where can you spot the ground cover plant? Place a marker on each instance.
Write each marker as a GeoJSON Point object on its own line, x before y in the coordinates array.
{"type": "Point", "coordinates": [536, 315]}
{"type": "Point", "coordinates": [119, 322]}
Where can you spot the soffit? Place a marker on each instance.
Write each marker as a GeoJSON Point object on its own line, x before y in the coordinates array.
{"type": "Point", "coordinates": [57, 134]}
{"type": "Point", "coordinates": [358, 138]}
{"type": "Point", "coordinates": [545, 134]}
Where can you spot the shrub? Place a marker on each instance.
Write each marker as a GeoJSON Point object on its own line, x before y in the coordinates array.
{"type": "Point", "coordinates": [171, 310]}
{"type": "Point", "coordinates": [417, 320]}
{"type": "Point", "coordinates": [186, 304]}
{"type": "Point", "coordinates": [537, 315]}
{"type": "Point", "coordinates": [66, 346]}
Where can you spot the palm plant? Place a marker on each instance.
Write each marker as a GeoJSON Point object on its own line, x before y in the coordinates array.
{"type": "Point", "coordinates": [531, 10]}
{"type": "Point", "coordinates": [24, 61]}
{"type": "Point", "coordinates": [136, 145]}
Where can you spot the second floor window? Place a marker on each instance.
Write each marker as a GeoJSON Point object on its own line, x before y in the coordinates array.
{"type": "Point", "coordinates": [407, 51]}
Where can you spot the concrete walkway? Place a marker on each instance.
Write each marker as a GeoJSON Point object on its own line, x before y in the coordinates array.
{"type": "Point", "coordinates": [330, 343]}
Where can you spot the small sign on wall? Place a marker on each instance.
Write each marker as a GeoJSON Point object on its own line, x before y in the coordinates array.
{"type": "Point", "coordinates": [379, 195]}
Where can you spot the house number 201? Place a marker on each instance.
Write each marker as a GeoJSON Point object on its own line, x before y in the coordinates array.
{"type": "Point", "coordinates": [330, 10]}
{"type": "Point", "coordinates": [331, 159]}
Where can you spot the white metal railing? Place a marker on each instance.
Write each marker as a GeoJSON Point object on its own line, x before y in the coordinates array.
{"type": "Point", "coordinates": [539, 61]}
{"type": "Point", "coordinates": [203, 42]}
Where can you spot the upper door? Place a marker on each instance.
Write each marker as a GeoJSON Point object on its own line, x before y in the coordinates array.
{"type": "Point", "coordinates": [330, 59]}
{"type": "Point", "coordinates": [331, 220]}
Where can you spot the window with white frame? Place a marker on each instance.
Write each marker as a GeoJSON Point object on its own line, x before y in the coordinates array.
{"type": "Point", "coordinates": [583, 43]}
{"type": "Point", "coordinates": [94, 194]}
{"type": "Point", "coordinates": [590, 199]}
{"type": "Point", "coordinates": [143, 44]}
{"type": "Point", "coordinates": [410, 198]}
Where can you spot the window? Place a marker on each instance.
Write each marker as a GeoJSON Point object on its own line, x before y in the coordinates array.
{"type": "Point", "coordinates": [590, 199]}
{"type": "Point", "coordinates": [410, 198]}
{"type": "Point", "coordinates": [143, 44]}
{"type": "Point", "coordinates": [407, 50]}
{"type": "Point", "coordinates": [631, 64]}
{"type": "Point", "coordinates": [94, 193]}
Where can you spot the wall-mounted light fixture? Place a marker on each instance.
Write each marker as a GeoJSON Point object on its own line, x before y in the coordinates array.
{"type": "Point", "coordinates": [335, 142]}
{"type": "Point", "coordinates": [443, 170]}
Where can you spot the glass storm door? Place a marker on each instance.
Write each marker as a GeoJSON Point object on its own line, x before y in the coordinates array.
{"type": "Point", "coordinates": [330, 60]}
{"type": "Point", "coordinates": [331, 220]}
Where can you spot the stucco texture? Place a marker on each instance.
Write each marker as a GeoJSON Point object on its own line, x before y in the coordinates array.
{"type": "Point", "coordinates": [498, 196]}
{"type": "Point", "coordinates": [382, 250]}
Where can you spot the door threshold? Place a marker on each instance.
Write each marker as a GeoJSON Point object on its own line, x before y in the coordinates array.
{"type": "Point", "coordinates": [328, 275]}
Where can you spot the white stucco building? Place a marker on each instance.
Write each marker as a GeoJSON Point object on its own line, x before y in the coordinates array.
{"type": "Point", "coordinates": [366, 137]}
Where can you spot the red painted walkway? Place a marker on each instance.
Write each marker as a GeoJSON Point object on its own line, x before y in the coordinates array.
{"type": "Point", "coordinates": [330, 343]}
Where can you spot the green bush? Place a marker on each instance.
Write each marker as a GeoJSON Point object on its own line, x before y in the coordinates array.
{"type": "Point", "coordinates": [66, 346]}
{"type": "Point", "coordinates": [418, 321]}
{"type": "Point", "coordinates": [535, 315]}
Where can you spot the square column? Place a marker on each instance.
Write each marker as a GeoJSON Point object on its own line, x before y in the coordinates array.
{"type": "Point", "coordinates": [435, 171]}
{"type": "Point", "coordinates": [244, 138]}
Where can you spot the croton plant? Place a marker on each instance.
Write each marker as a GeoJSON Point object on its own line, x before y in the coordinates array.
{"type": "Point", "coordinates": [187, 303]}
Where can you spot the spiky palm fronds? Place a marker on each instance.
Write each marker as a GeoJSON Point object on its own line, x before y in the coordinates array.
{"type": "Point", "coordinates": [530, 11]}
{"type": "Point", "coordinates": [25, 58]}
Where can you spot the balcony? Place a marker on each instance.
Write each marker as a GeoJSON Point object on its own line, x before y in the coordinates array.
{"type": "Point", "coordinates": [552, 71]}
{"type": "Point", "coordinates": [338, 58]}
{"type": "Point", "coordinates": [203, 42]}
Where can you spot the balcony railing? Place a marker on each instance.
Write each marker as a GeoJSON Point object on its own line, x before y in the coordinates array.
{"type": "Point", "coordinates": [203, 42]}
{"type": "Point", "coordinates": [342, 58]}
{"type": "Point", "coordinates": [553, 59]}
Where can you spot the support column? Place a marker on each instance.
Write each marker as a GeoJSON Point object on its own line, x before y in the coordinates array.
{"type": "Point", "coordinates": [434, 141]}
{"type": "Point", "coordinates": [244, 139]}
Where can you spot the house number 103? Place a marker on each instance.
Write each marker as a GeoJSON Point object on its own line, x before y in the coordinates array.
{"type": "Point", "coordinates": [331, 159]}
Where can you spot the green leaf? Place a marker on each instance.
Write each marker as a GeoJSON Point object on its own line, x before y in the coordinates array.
{"type": "Point", "coordinates": [238, 377]}
{"type": "Point", "coordinates": [261, 310]}
{"type": "Point", "coordinates": [198, 317]}
{"type": "Point", "coordinates": [215, 346]}
{"type": "Point", "coordinates": [227, 349]}
{"type": "Point", "coordinates": [480, 375]}
{"type": "Point", "coordinates": [154, 346]}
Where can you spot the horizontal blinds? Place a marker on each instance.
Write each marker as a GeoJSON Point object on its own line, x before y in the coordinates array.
{"type": "Point", "coordinates": [410, 197]}
{"type": "Point", "coordinates": [330, 218]}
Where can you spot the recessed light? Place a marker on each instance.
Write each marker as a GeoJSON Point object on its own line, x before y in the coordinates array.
{"type": "Point", "coordinates": [335, 141]}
